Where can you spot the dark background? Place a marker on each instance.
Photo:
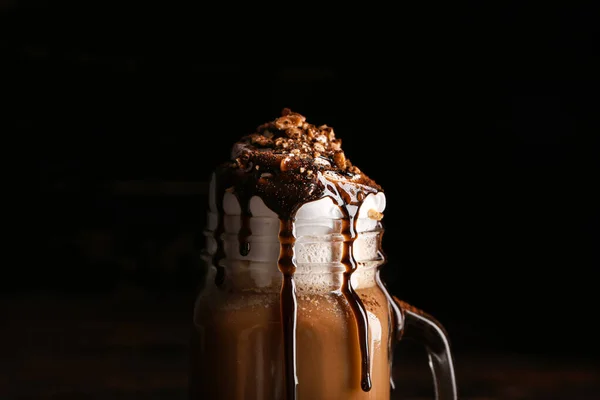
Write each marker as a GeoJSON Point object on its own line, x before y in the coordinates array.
{"type": "Point", "coordinates": [480, 124]}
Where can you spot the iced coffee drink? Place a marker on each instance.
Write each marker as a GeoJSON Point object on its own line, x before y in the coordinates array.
{"type": "Point", "coordinates": [292, 306]}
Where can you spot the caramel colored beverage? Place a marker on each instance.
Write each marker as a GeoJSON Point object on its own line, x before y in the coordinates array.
{"type": "Point", "coordinates": [292, 307]}
{"type": "Point", "coordinates": [244, 346]}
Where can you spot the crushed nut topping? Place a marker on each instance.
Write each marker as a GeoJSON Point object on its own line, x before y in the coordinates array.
{"type": "Point", "coordinates": [291, 133]}
{"type": "Point", "coordinates": [374, 214]}
{"type": "Point", "coordinates": [290, 144]}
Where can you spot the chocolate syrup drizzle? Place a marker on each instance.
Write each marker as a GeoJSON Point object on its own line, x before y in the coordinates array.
{"type": "Point", "coordinates": [245, 231]}
{"type": "Point", "coordinates": [346, 196]}
{"type": "Point", "coordinates": [285, 198]}
{"type": "Point", "coordinates": [218, 233]}
{"type": "Point", "coordinates": [288, 304]}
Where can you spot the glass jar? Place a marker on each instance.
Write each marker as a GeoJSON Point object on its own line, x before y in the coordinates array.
{"type": "Point", "coordinates": [238, 341]}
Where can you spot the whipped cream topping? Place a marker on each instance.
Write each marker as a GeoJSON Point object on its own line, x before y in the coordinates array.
{"type": "Point", "coordinates": [313, 221]}
{"type": "Point", "coordinates": [310, 218]}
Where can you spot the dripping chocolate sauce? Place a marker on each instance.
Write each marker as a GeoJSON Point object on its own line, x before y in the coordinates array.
{"type": "Point", "coordinates": [288, 304]}
{"type": "Point", "coordinates": [285, 198]}
{"type": "Point", "coordinates": [245, 231]}
{"type": "Point", "coordinates": [349, 199]}
{"type": "Point", "coordinates": [218, 233]}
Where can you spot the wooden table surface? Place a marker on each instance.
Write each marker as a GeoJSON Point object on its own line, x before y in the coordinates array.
{"type": "Point", "coordinates": [126, 346]}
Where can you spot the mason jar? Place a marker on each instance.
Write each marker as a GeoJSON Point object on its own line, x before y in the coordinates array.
{"type": "Point", "coordinates": [237, 350]}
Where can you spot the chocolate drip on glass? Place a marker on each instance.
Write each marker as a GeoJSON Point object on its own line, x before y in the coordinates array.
{"type": "Point", "coordinates": [284, 196]}
{"type": "Point", "coordinates": [245, 231]}
{"type": "Point", "coordinates": [218, 233]}
{"type": "Point", "coordinates": [347, 198]}
{"type": "Point", "coordinates": [360, 313]}
{"type": "Point", "coordinates": [288, 304]}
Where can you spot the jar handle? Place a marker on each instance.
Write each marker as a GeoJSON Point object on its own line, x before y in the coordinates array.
{"type": "Point", "coordinates": [423, 328]}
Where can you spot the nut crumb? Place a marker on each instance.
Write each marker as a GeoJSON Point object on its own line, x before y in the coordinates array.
{"type": "Point", "coordinates": [374, 214]}
{"type": "Point", "coordinates": [340, 159]}
{"type": "Point", "coordinates": [314, 148]}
